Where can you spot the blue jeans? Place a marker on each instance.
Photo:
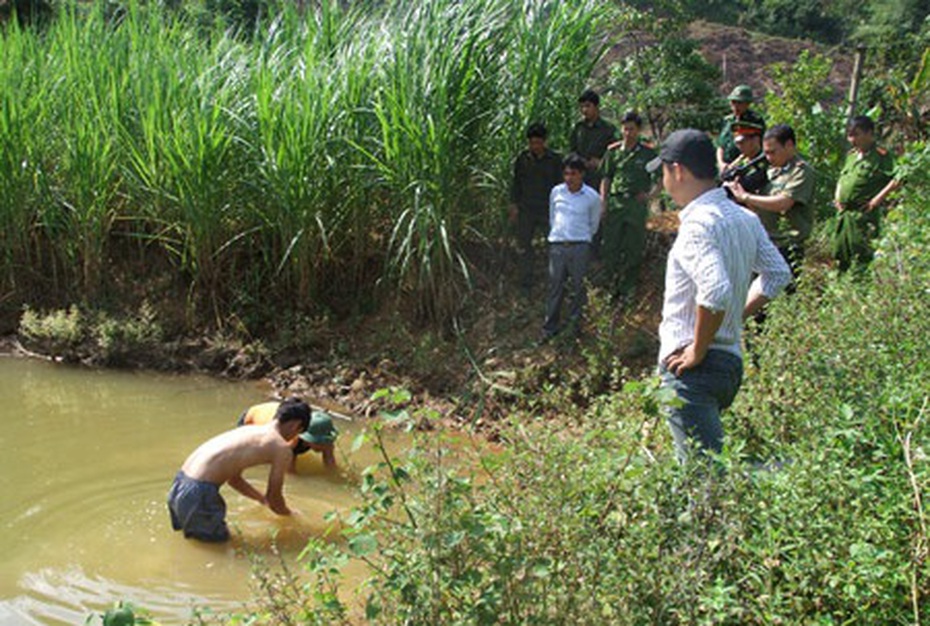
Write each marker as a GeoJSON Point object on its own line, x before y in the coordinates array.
{"type": "Point", "coordinates": [705, 391]}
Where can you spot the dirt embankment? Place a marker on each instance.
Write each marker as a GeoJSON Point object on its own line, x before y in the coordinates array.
{"type": "Point", "coordinates": [476, 370]}
{"type": "Point", "coordinates": [746, 57]}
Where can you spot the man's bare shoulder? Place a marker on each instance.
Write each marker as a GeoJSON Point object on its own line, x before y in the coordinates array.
{"type": "Point", "coordinates": [229, 453]}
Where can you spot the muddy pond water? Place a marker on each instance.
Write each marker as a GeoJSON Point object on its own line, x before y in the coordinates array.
{"type": "Point", "coordinates": [86, 459]}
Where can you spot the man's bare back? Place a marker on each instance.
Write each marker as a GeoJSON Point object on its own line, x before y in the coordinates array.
{"type": "Point", "coordinates": [229, 454]}
{"type": "Point", "coordinates": [194, 502]}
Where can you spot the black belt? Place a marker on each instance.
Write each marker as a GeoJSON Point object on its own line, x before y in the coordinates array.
{"type": "Point", "coordinates": [568, 243]}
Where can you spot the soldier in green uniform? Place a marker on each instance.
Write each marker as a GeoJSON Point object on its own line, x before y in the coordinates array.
{"type": "Point", "coordinates": [536, 171]}
{"type": "Point", "coordinates": [591, 136]}
{"type": "Point", "coordinates": [784, 205]}
{"type": "Point", "coordinates": [625, 191]}
{"type": "Point", "coordinates": [740, 113]}
{"type": "Point", "coordinates": [865, 181]}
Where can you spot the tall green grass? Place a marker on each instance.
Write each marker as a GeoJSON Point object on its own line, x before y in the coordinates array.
{"type": "Point", "coordinates": [336, 153]}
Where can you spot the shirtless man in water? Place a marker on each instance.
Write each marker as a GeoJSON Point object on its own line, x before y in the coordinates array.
{"type": "Point", "coordinates": [194, 501]}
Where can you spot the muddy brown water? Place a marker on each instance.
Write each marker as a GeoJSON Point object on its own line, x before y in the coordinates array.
{"type": "Point", "coordinates": [86, 458]}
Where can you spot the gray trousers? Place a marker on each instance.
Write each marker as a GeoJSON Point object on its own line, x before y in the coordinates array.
{"type": "Point", "coordinates": [568, 261]}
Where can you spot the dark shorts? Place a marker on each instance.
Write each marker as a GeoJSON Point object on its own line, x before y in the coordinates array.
{"type": "Point", "coordinates": [197, 508]}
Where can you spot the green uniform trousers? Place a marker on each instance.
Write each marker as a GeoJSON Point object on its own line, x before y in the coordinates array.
{"type": "Point", "coordinates": [624, 244]}
{"type": "Point", "coordinates": [852, 238]}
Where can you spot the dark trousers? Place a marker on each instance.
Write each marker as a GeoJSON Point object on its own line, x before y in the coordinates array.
{"type": "Point", "coordinates": [624, 244]}
{"type": "Point", "coordinates": [529, 223]}
{"type": "Point", "coordinates": [568, 262]}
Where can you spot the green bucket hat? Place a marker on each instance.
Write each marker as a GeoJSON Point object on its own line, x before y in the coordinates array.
{"type": "Point", "coordinates": [741, 93]}
{"type": "Point", "coordinates": [320, 430]}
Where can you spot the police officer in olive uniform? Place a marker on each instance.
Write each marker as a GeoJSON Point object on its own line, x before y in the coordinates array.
{"type": "Point", "coordinates": [625, 188]}
{"type": "Point", "coordinates": [865, 181]}
{"type": "Point", "coordinates": [591, 136]}
{"type": "Point", "coordinates": [784, 204]}
{"type": "Point", "coordinates": [740, 99]}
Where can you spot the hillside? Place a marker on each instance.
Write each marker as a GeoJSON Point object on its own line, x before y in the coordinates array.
{"type": "Point", "coordinates": [744, 56]}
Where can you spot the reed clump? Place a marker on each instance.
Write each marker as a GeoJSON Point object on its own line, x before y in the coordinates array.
{"type": "Point", "coordinates": [333, 154]}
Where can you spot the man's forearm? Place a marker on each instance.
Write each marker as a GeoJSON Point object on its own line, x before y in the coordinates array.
{"type": "Point", "coordinates": [276, 503]}
{"type": "Point", "coordinates": [241, 485]}
{"type": "Point", "coordinates": [883, 194]}
{"type": "Point", "coordinates": [706, 325]}
{"type": "Point", "coordinates": [774, 204]}
{"type": "Point", "coordinates": [755, 300]}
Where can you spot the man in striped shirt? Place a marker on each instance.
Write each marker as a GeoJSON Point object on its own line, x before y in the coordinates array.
{"type": "Point", "coordinates": [708, 294]}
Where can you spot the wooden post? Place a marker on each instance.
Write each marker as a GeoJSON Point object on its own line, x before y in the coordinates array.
{"type": "Point", "coordinates": [854, 84]}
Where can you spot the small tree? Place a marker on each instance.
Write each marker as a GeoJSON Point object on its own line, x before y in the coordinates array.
{"type": "Point", "coordinates": [803, 101]}
{"type": "Point", "coordinates": [664, 76]}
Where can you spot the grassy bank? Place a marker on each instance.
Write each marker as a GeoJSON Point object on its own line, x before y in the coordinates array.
{"type": "Point", "coordinates": [330, 160]}
{"type": "Point", "coordinates": [586, 518]}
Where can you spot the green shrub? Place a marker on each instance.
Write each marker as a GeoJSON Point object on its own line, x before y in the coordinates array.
{"type": "Point", "coordinates": [128, 338]}
{"type": "Point", "coordinates": [95, 337]}
{"type": "Point", "coordinates": [58, 333]}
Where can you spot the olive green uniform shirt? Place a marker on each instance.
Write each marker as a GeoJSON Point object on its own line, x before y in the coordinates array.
{"type": "Point", "coordinates": [795, 180]}
{"type": "Point", "coordinates": [591, 140]}
{"type": "Point", "coordinates": [862, 177]}
{"type": "Point", "coordinates": [725, 138]}
{"type": "Point", "coordinates": [626, 170]}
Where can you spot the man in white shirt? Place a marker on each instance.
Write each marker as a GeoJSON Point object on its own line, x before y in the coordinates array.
{"type": "Point", "coordinates": [574, 215]}
{"type": "Point", "coordinates": [719, 247]}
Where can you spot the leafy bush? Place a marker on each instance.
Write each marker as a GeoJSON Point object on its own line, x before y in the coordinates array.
{"type": "Point", "coordinates": [128, 337]}
{"type": "Point", "coordinates": [664, 76]}
{"type": "Point", "coordinates": [96, 337]}
{"type": "Point", "coordinates": [58, 333]}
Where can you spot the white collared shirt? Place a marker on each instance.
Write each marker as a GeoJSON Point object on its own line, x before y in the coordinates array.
{"type": "Point", "coordinates": [720, 245]}
{"type": "Point", "coordinates": [573, 216]}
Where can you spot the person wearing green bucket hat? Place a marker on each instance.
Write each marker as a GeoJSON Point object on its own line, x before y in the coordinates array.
{"type": "Point", "coordinates": [740, 114]}
{"type": "Point", "coordinates": [319, 436]}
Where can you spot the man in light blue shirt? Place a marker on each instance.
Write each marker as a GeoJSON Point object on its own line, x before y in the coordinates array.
{"type": "Point", "coordinates": [574, 215]}
{"type": "Point", "coordinates": [709, 291]}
